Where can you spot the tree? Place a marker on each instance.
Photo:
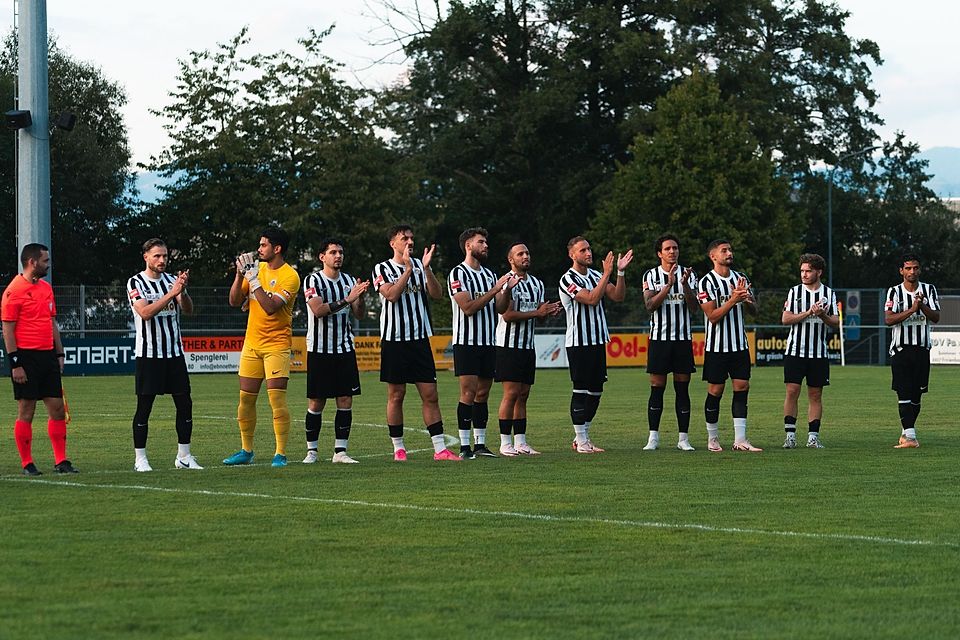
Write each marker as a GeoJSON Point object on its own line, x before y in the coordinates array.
{"type": "Point", "coordinates": [702, 176]}
{"type": "Point", "coordinates": [273, 139]}
{"type": "Point", "coordinates": [94, 213]}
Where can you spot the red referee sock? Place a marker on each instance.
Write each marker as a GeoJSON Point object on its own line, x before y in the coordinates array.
{"type": "Point", "coordinates": [57, 430]}
{"type": "Point", "coordinates": [23, 434]}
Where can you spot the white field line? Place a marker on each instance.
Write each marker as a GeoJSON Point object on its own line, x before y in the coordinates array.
{"type": "Point", "coordinates": [519, 515]}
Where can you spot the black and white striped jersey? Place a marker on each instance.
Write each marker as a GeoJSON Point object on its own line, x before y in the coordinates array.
{"type": "Point", "coordinates": [409, 317]}
{"type": "Point", "coordinates": [671, 320]}
{"type": "Point", "coordinates": [586, 325]}
{"type": "Point", "coordinates": [476, 330]}
{"type": "Point", "coordinates": [730, 333]}
{"type": "Point", "coordinates": [915, 330]}
{"type": "Point", "coordinates": [158, 337]}
{"type": "Point", "coordinates": [333, 333]}
{"type": "Point", "coordinates": [526, 296]}
{"type": "Point", "coordinates": [808, 338]}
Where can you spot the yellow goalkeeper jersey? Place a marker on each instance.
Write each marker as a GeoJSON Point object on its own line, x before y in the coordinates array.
{"type": "Point", "coordinates": [274, 332]}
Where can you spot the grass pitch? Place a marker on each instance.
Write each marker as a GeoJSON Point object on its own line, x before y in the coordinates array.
{"type": "Point", "coordinates": [854, 541]}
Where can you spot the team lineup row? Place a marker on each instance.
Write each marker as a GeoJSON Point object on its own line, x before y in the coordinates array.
{"type": "Point", "coordinates": [494, 320]}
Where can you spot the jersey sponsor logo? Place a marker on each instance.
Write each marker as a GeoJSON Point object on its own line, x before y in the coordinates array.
{"type": "Point", "coordinates": [310, 293]}
{"type": "Point", "coordinates": [134, 294]}
{"type": "Point", "coordinates": [572, 287]}
{"type": "Point", "coordinates": [702, 297]}
{"type": "Point", "coordinates": [456, 286]}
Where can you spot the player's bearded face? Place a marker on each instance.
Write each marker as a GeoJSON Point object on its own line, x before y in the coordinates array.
{"type": "Point", "coordinates": [670, 252]}
{"type": "Point", "coordinates": [582, 254]}
{"type": "Point", "coordinates": [42, 266]}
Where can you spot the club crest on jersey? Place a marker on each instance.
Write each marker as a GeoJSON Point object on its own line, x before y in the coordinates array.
{"type": "Point", "coordinates": [273, 282]}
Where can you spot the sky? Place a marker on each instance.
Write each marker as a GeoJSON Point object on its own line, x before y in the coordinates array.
{"type": "Point", "coordinates": [138, 44]}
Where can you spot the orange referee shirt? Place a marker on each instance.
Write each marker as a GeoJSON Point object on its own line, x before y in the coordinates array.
{"type": "Point", "coordinates": [31, 306]}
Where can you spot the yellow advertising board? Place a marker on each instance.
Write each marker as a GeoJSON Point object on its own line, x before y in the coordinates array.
{"type": "Point", "coordinates": [368, 352]}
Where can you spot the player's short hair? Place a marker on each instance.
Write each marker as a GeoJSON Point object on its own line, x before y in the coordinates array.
{"type": "Point", "coordinates": [277, 237]}
{"type": "Point", "coordinates": [513, 244]}
{"type": "Point", "coordinates": [815, 260]}
{"type": "Point", "coordinates": [395, 229]}
{"type": "Point", "coordinates": [716, 243]}
{"type": "Point", "coordinates": [574, 240]}
{"type": "Point", "coordinates": [32, 251]}
{"type": "Point", "coordinates": [468, 234]}
{"type": "Point", "coordinates": [153, 242]}
{"type": "Point", "coordinates": [908, 257]}
{"type": "Point", "coordinates": [658, 243]}
{"type": "Point", "coordinates": [326, 242]}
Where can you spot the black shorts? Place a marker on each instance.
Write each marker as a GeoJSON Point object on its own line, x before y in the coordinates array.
{"type": "Point", "coordinates": [159, 376]}
{"type": "Point", "coordinates": [815, 370]}
{"type": "Point", "coordinates": [588, 367]}
{"type": "Point", "coordinates": [911, 370]}
{"type": "Point", "coordinates": [474, 361]}
{"type": "Point", "coordinates": [718, 365]}
{"type": "Point", "coordinates": [670, 356]}
{"type": "Point", "coordinates": [407, 362]}
{"type": "Point", "coordinates": [516, 365]}
{"type": "Point", "coordinates": [332, 375]}
{"type": "Point", "coordinates": [43, 375]}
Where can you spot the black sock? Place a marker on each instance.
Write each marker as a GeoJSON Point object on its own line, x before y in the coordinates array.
{"type": "Point", "coordinates": [342, 422]}
{"type": "Point", "coordinates": [908, 415]}
{"type": "Point", "coordinates": [435, 429]}
{"type": "Point", "coordinates": [682, 405]}
{"type": "Point", "coordinates": [312, 423]}
{"type": "Point", "coordinates": [578, 408]}
{"type": "Point", "coordinates": [464, 416]}
{"type": "Point", "coordinates": [739, 406]}
{"type": "Point", "coordinates": [481, 415]}
{"type": "Point", "coordinates": [655, 407]}
{"type": "Point", "coordinates": [711, 409]}
{"type": "Point", "coordinates": [520, 426]}
{"type": "Point", "coordinates": [506, 427]}
{"type": "Point", "coordinates": [184, 420]}
{"type": "Point", "coordinates": [141, 420]}
{"type": "Point", "coordinates": [395, 430]}
{"type": "Point", "coordinates": [813, 426]}
{"type": "Point", "coordinates": [790, 424]}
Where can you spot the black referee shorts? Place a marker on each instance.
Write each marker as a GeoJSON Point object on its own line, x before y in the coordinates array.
{"type": "Point", "coordinates": [516, 365]}
{"type": "Point", "coordinates": [332, 375]}
{"type": "Point", "coordinates": [815, 370]}
{"type": "Point", "coordinates": [43, 375]}
{"type": "Point", "coordinates": [911, 371]}
{"type": "Point", "coordinates": [670, 356]}
{"type": "Point", "coordinates": [718, 365]}
{"type": "Point", "coordinates": [470, 360]}
{"type": "Point", "coordinates": [407, 362]}
{"type": "Point", "coordinates": [160, 376]}
{"type": "Point", "coordinates": [588, 367]}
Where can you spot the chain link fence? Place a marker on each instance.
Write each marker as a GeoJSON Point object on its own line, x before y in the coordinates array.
{"type": "Point", "coordinates": [104, 311]}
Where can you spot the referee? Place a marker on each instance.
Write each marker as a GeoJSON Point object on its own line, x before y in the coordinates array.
{"type": "Point", "coordinates": [669, 294]}
{"type": "Point", "coordinates": [404, 284]}
{"type": "Point", "coordinates": [722, 295]}
{"type": "Point", "coordinates": [157, 298]}
{"type": "Point", "coordinates": [910, 308]}
{"type": "Point", "coordinates": [32, 341]}
{"type": "Point", "coordinates": [582, 292]}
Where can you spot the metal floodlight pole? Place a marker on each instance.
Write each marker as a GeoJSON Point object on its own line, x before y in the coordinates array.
{"type": "Point", "coordinates": [33, 142]}
{"type": "Point", "coordinates": [830, 207]}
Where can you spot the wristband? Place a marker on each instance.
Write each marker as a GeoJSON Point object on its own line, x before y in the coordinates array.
{"type": "Point", "coordinates": [254, 284]}
{"type": "Point", "coordinates": [14, 358]}
{"type": "Point", "coordinates": [338, 305]}
{"type": "Point", "coordinates": [620, 273]}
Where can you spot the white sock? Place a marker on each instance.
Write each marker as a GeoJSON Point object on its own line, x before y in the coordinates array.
{"type": "Point", "coordinates": [312, 445]}
{"type": "Point", "coordinates": [141, 454]}
{"type": "Point", "coordinates": [654, 436]}
{"type": "Point", "coordinates": [480, 436]}
{"type": "Point", "coordinates": [684, 437]}
{"type": "Point", "coordinates": [464, 437]}
{"type": "Point", "coordinates": [581, 431]}
{"type": "Point", "coordinates": [438, 443]}
{"type": "Point", "coordinates": [397, 443]}
{"type": "Point", "coordinates": [505, 440]}
{"type": "Point", "coordinates": [910, 433]}
{"type": "Point", "coordinates": [183, 450]}
{"type": "Point", "coordinates": [713, 430]}
{"type": "Point", "coordinates": [739, 429]}
{"type": "Point", "coordinates": [520, 439]}
{"type": "Point", "coordinates": [340, 444]}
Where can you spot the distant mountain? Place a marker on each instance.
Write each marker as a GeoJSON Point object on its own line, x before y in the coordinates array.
{"type": "Point", "coordinates": [945, 168]}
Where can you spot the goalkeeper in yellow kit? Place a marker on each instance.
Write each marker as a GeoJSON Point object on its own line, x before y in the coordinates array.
{"type": "Point", "coordinates": [270, 288]}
